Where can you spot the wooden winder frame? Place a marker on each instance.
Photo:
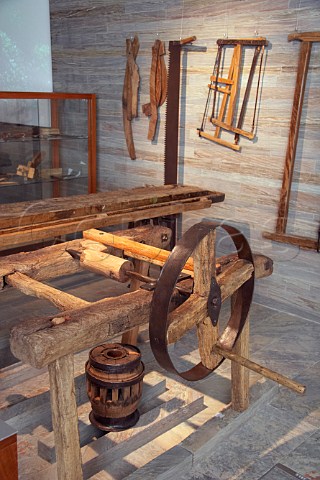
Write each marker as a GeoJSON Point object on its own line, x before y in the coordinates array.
{"type": "Point", "coordinates": [52, 342]}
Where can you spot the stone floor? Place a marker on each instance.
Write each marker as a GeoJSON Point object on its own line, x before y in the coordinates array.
{"type": "Point", "coordinates": [186, 430]}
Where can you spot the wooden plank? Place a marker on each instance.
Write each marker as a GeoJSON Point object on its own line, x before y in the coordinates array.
{"type": "Point", "coordinates": [65, 418]}
{"type": "Point", "coordinates": [54, 261]}
{"type": "Point", "coordinates": [257, 41]}
{"type": "Point", "coordinates": [228, 81]}
{"type": "Point", "coordinates": [26, 213]}
{"type": "Point", "coordinates": [302, 72]}
{"type": "Point", "coordinates": [43, 264]}
{"type": "Point", "coordinates": [41, 341]}
{"type": "Point", "coordinates": [225, 90]}
{"type": "Point", "coordinates": [55, 228]}
{"type": "Point", "coordinates": [224, 102]}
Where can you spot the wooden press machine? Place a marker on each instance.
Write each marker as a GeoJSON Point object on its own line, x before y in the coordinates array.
{"type": "Point", "coordinates": [189, 291]}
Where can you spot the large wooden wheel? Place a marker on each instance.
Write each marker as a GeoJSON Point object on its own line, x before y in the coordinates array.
{"type": "Point", "coordinates": [203, 306]}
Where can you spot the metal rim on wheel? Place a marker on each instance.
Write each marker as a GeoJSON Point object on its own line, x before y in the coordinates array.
{"type": "Point", "coordinates": [159, 320]}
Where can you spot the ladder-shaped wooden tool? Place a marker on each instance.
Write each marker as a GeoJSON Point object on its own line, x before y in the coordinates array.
{"type": "Point", "coordinates": [229, 87]}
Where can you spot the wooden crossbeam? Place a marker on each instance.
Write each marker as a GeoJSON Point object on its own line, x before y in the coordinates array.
{"type": "Point", "coordinates": [228, 81]}
{"type": "Point", "coordinates": [221, 141]}
{"type": "Point", "coordinates": [230, 128]}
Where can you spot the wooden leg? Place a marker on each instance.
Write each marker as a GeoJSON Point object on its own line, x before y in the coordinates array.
{"type": "Point", "coordinates": [131, 336]}
{"type": "Point", "coordinates": [65, 418]}
{"type": "Point", "coordinates": [240, 374]}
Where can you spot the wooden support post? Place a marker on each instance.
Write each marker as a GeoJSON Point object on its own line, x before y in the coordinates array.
{"type": "Point", "coordinates": [240, 374]}
{"type": "Point", "coordinates": [131, 336]}
{"type": "Point", "coordinates": [204, 270]}
{"type": "Point", "coordinates": [65, 418]}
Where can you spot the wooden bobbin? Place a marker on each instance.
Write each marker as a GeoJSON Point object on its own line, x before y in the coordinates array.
{"type": "Point", "coordinates": [106, 264]}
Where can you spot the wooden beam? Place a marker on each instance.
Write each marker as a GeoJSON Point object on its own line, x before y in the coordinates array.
{"type": "Point", "coordinates": [131, 336]}
{"type": "Point", "coordinates": [29, 286]}
{"type": "Point", "coordinates": [42, 341]}
{"type": "Point", "coordinates": [44, 264]}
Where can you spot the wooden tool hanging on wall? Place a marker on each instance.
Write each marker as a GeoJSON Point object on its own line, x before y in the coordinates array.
{"type": "Point", "coordinates": [130, 92]}
{"type": "Point", "coordinates": [307, 39]}
{"type": "Point", "coordinates": [158, 86]}
{"type": "Point", "coordinates": [229, 87]}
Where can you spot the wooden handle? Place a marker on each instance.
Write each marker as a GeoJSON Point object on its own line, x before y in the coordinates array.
{"type": "Point", "coordinates": [137, 250]}
{"type": "Point", "coordinates": [305, 36]}
{"type": "Point", "coordinates": [266, 372]}
{"type": "Point", "coordinates": [106, 264]}
{"type": "Point", "coordinates": [188, 40]}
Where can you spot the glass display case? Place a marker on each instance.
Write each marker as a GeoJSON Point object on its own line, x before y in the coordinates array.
{"type": "Point", "coordinates": [47, 145]}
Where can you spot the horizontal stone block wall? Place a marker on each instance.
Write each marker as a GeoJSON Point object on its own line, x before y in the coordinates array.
{"type": "Point", "coordinates": [88, 51]}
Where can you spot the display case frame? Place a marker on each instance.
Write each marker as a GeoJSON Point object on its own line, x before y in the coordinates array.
{"type": "Point", "coordinates": [85, 103]}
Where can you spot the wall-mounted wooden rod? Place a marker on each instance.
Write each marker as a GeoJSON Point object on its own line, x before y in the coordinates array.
{"type": "Point", "coordinates": [266, 372]}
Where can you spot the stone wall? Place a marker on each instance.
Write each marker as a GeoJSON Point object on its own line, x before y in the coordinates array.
{"type": "Point", "coordinates": [88, 51]}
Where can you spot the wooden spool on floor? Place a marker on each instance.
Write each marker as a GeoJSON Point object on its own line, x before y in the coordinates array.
{"type": "Point", "coordinates": [114, 374]}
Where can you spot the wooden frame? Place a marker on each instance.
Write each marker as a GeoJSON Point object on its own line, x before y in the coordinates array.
{"type": "Point", "coordinates": [307, 40]}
